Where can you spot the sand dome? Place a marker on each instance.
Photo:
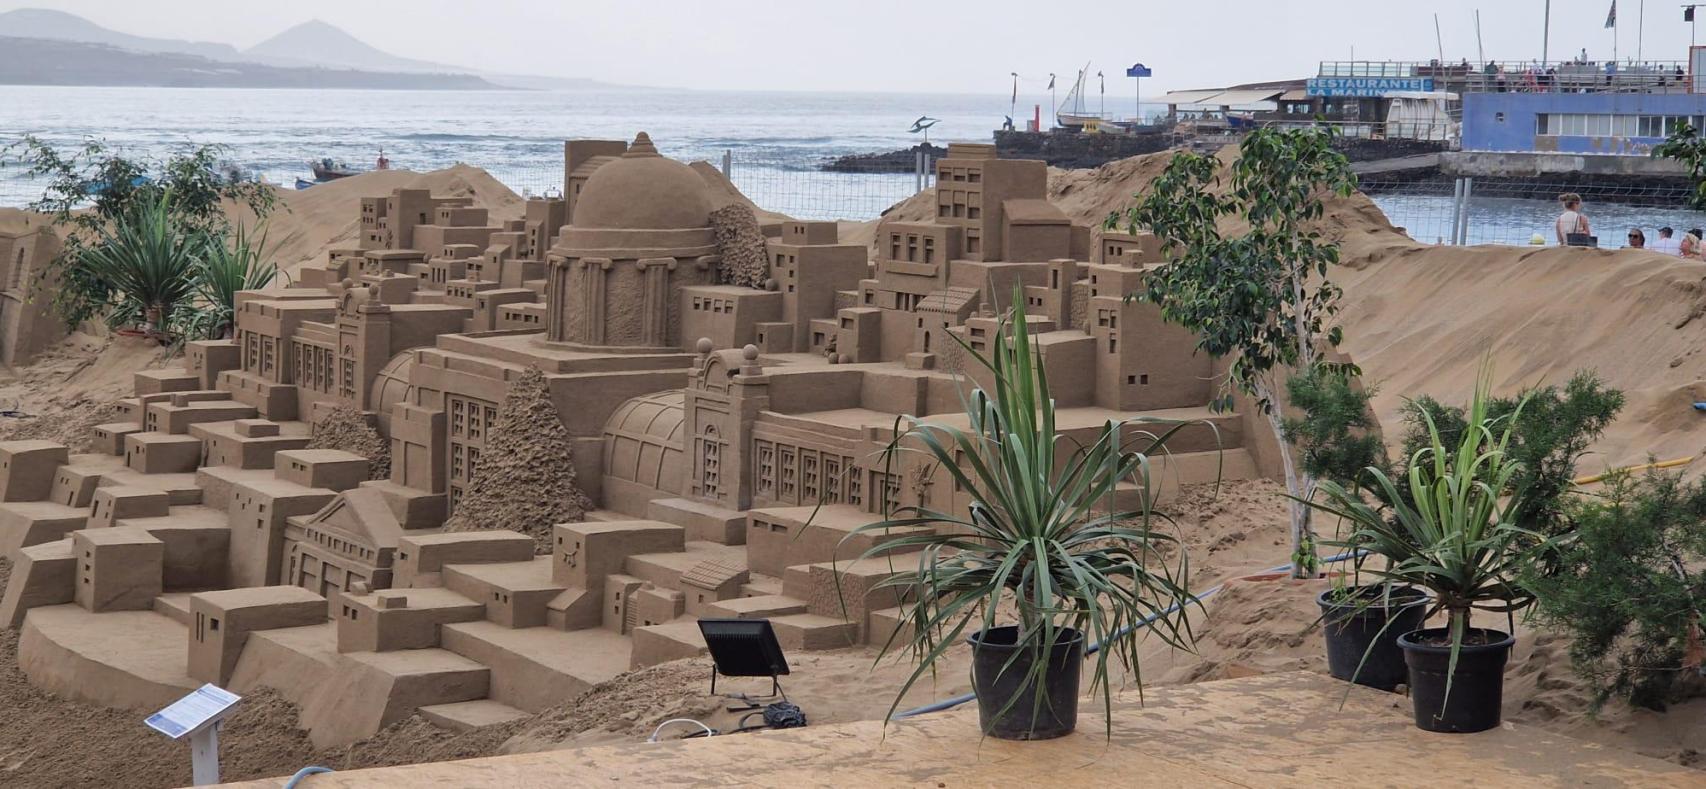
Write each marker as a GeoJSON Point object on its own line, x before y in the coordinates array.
{"type": "Point", "coordinates": [642, 190]}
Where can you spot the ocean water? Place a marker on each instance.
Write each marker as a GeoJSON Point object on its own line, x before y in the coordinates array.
{"type": "Point", "coordinates": [776, 140]}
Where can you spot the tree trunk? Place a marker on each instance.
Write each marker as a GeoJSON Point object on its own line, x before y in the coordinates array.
{"type": "Point", "coordinates": [1298, 483]}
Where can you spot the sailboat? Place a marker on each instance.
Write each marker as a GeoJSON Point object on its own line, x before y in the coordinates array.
{"type": "Point", "coordinates": [1071, 113]}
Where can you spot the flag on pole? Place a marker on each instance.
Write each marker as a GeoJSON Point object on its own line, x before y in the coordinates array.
{"type": "Point", "coordinates": [1051, 74]}
{"type": "Point", "coordinates": [1015, 87]}
{"type": "Point", "coordinates": [1611, 18]}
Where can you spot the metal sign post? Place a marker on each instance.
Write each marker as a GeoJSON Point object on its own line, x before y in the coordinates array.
{"type": "Point", "coordinates": [1137, 72]}
{"type": "Point", "coordinates": [198, 716]}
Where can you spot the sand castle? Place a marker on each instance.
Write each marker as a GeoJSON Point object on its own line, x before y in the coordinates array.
{"type": "Point", "coordinates": [713, 395]}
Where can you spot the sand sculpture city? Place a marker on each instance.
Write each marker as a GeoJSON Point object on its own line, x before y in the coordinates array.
{"type": "Point", "coordinates": [705, 381]}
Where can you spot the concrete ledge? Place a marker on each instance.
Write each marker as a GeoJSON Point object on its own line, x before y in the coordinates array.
{"type": "Point", "coordinates": [1275, 730]}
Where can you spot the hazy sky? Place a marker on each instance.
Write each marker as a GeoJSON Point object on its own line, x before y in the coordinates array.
{"type": "Point", "coordinates": [912, 45]}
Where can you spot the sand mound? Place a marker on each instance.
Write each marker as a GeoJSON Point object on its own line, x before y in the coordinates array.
{"type": "Point", "coordinates": [1420, 320]}
{"type": "Point", "coordinates": [310, 222]}
{"type": "Point", "coordinates": [1088, 196]}
{"type": "Point", "coordinates": [525, 480]}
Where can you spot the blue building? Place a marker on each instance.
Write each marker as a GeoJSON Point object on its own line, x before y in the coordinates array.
{"type": "Point", "coordinates": [1627, 124]}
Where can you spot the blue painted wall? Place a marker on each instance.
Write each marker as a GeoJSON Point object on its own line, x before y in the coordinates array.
{"type": "Point", "coordinates": [1506, 121]}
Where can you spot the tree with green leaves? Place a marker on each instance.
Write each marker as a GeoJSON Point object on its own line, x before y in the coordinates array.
{"type": "Point", "coordinates": [1687, 147]}
{"type": "Point", "coordinates": [92, 186]}
{"type": "Point", "coordinates": [1248, 274]}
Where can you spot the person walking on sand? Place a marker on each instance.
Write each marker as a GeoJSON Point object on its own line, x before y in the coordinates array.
{"type": "Point", "coordinates": [1667, 243]}
{"type": "Point", "coordinates": [1572, 223]}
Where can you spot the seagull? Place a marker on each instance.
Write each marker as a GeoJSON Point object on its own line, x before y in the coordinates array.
{"type": "Point", "coordinates": [923, 123]}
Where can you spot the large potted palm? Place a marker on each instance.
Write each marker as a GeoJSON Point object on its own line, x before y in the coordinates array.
{"type": "Point", "coordinates": [1453, 531]}
{"type": "Point", "coordinates": [1041, 561]}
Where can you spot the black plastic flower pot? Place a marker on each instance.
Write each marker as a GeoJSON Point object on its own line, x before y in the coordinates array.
{"type": "Point", "coordinates": [1363, 621]}
{"type": "Point", "coordinates": [1477, 688]}
{"type": "Point", "coordinates": [1007, 704]}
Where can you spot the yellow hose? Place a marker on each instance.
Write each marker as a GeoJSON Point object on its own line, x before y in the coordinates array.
{"type": "Point", "coordinates": [1643, 467]}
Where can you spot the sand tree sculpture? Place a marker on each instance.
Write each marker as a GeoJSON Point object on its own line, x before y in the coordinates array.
{"type": "Point", "coordinates": [1248, 274]}
{"type": "Point", "coordinates": [348, 429]}
{"type": "Point", "coordinates": [525, 479]}
{"type": "Point", "coordinates": [741, 243]}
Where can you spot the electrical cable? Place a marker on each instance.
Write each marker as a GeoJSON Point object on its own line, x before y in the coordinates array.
{"type": "Point", "coordinates": [296, 779]}
{"type": "Point", "coordinates": [709, 732]}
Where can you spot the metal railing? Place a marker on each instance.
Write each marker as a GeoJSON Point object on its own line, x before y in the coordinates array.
{"type": "Point", "coordinates": [1657, 76]}
{"type": "Point", "coordinates": [796, 185]}
{"type": "Point", "coordinates": [1514, 210]}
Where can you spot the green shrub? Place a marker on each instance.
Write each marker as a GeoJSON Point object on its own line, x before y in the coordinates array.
{"type": "Point", "coordinates": [1336, 435]}
{"type": "Point", "coordinates": [1549, 436]}
{"type": "Point", "coordinates": [90, 187]}
{"type": "Point", "coordinates": [1628, 588]}
{"type": "Point", "coordinates": [222, 270]}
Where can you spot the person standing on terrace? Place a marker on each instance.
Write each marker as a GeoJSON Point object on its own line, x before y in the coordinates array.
{"type": "Point", "coordinates": [1572, 222]}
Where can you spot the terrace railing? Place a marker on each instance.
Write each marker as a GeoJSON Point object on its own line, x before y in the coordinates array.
{"type": "Point", "coordinates": [1659, 76]}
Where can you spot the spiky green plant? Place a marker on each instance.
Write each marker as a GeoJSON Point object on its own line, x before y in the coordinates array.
{"type": "Point", "coordinates": [222, 270]}
{"type": "Point", "coordinates": [147, 261]}
{"type": "Point", "coordinates": [1033, 537]}
{"type": "Point", "coordinates": [1451, 529]}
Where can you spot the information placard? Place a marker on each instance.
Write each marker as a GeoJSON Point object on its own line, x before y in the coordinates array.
{"type": "Point", "coordinates": [205, 704]}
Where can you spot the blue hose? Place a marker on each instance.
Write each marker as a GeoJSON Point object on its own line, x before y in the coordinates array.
{"type": "Point", "coordinates": [304, 773]}
{"type": "Point", "coordinates": [944, 704]}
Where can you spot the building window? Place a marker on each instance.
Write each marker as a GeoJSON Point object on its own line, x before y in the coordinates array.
{"type": "Point", "coordinates": [929, 250]}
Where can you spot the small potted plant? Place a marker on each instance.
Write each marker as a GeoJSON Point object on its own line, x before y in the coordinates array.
{"type": "Point", "coordinates": [1453, 532]}
{"type": "Point", "coordinates": [1037, 565]}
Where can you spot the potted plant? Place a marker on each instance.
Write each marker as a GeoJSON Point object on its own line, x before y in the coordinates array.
{"type": "Point", "coordinates": [1454, 532]}
{"type": "Point", "coordinates": [1037, 564]}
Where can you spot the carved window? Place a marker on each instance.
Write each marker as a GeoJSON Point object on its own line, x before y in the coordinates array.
{"type": "Point", "coordinates": [855, 485]}
{"type": "Point", "coordinates": [711, 467]}
{"type": "Point", "coordinates": [788, 488]}
{"type": "Point", "coordinates": [765, 473]}
{"type": "Point", "coordinates": [809, 480]}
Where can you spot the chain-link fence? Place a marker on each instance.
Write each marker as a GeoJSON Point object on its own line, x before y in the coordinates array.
{"type": "Point", "coordinates": [1444, 210]}
{"type": "Point", "coordinates": [853, 188]}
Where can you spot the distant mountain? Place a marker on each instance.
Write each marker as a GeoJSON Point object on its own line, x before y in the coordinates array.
{"type": "Point", "coordinates": [313, 44]}
{"type": "Point", "coordinates": [322, 44]}
{"type": "Point", "coordinates": [41, 61]}
{"type": "Point", "coordinates": [60, 26]}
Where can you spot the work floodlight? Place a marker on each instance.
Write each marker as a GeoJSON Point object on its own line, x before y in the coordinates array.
{"type": "Point", "coordinates": [744, 648]}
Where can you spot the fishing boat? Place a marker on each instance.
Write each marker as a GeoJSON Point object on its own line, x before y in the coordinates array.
{"type": "Point", "coordinates": [327, 170]}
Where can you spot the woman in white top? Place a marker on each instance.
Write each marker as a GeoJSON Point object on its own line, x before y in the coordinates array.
{"type": "Point", "coordinates": [1572, 221]}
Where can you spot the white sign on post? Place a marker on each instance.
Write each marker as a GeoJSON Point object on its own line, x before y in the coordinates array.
{"type": "Point", "coordinates": [198, 715]}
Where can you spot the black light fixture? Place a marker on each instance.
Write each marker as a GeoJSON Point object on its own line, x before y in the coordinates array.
{"type": "Point", "coordinates": [744, 648]}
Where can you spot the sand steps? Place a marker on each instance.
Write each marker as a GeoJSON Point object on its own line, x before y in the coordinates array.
{"type": "Point", "coordinates": [536, 668]}
{"type": "Point", "coordinates": [665, 569]}
{"type": "Point", "coordinates": [516, 594]}
{"type": "Point", "coordinates": [471, 715]}
{"type": "Point", "coordinates": [174, 606]}
{"type": "Point", "coordinates": [814, 631]}
{"type": "Point", "coordinates": [758, 607]}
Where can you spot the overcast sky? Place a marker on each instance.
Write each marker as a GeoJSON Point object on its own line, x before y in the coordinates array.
{"type": "Point", "coordinates": [912, 45]}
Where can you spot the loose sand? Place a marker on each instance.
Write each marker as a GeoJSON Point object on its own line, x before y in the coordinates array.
{"type": "Point", "coordinates": [1419, 319]}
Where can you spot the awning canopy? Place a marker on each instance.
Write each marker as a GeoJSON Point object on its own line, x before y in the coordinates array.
{"type": "Point", "coordinates": [1190, 96]}
{"type": "Point", "coordinates": [1296, 95]}
{"type": "Point", "coordinates": [1243, 98]}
